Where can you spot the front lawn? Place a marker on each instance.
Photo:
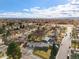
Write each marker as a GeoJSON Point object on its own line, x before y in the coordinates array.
{"type": "Point", "coordinates": [45, 54]}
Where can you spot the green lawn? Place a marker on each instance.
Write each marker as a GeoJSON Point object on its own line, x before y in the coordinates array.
{"type": "Point", "coordinates": [75, 56]}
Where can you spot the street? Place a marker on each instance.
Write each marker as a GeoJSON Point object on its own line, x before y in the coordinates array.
{"type": "Point", "coordinates": [65, 44]}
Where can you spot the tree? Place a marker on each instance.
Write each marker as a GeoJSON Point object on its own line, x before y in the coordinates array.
{"type": "Point", "coordinates": [14, 51]}
{"type": "Point", "coordinates": [2, 30]}
{"type": "Point", "coordinates": [5, 36]}
{"type": "Point", "coordinates": [54, 51]}
{"type": "Point", "coordinates": [52, 55]}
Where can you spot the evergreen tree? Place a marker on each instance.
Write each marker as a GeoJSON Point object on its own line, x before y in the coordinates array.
{"type": "Point", "coordinates": [54, 51]}
{"type": "Point", "coordinates": [14, 51]}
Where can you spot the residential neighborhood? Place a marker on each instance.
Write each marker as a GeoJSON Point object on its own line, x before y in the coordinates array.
{"type": "Point", "coordinates": [38, 40]}
{"type": "Point", "coordinates": [39, 29]}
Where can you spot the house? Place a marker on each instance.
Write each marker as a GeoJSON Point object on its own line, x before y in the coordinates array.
{"type": "Point", "coordinates": [38, 44]}
{"type": "Point", "coordinates": [49, 40]}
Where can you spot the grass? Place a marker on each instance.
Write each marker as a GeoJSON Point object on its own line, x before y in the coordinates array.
{"type": "Point", "coordinates": [42, 54]}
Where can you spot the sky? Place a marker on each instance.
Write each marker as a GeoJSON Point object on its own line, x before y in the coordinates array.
{"type": "Point", "coordinates": [39, 8]}
{"type": "Point", "coordinates": [19, 5]}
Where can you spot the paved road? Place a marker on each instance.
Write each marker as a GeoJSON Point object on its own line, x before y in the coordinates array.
{"type": "Point", "coordinates": [65, 44]}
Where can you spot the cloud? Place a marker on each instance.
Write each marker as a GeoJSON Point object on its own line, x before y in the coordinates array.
{"type": "Point", "coordinates": [25, 10]}
{"type": "Point", "coordinates": [70, 9]}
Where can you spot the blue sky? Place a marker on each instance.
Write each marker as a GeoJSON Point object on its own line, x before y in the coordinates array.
{"type": "Point", "coordinates": [39, 8]}
{"type": "Point", "coordinates": [19, 5]}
